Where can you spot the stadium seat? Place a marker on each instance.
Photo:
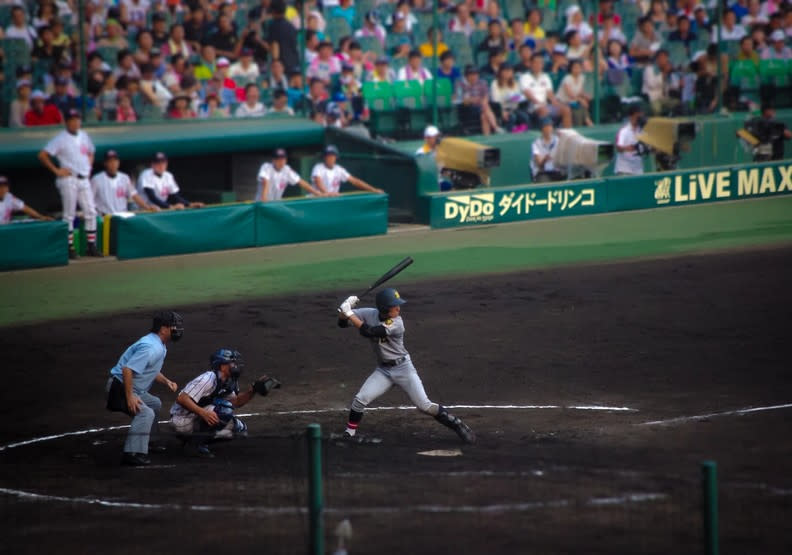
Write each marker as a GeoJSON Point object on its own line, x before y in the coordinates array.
{"type": "Point", "coordinates": [774, 72]}
{"type": "Point", "coordinates": [447, 115]}
{"type": "Point", "coordinates": [371, 44]}
{"type": "Point", "coordinates": [460, 46]}
{"type": "Point", "coordinates": [677, 54]}
{"type": "Point", "coordinates": [394, 40]}
{"type": "Point", "coordinates": [379, 98]}
{"type": "Point", "coordinates": [109, 54]}
{"type": "Point", "coordinates": [337, 27]}
{"type": "Point", "coordinates": [513, 8]}
{"type": "Point", "coordinates": [744, 76]}
{"type": "Point", "coordinates": [16, 52]}
{"type": "Point", "coordinates": [410, 105]}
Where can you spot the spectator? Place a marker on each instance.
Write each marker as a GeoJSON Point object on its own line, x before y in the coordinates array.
{"type": "Point", "coordinates": [41, 113]}
{"type": "Point", "coordinates": [754, 15]}
{"type": "Point", "coordinates": [113, 190]}
{"type": "Point", "coordinates": [543, 150]}
{"type": "Point", "coordinates": [740, 9]}
{"type": "Point", "coordinates": [10, 204]}
{"type": "Point", "coordinates": [777, 50]}
{"type": "Point", "coordinates": [251, 107]}
{"type": "Point", "coordinates": [133, 13]}
{"type": "Point", "coordinates": [372, 28]}
{"type": "Point", "coordinates": [402, 47]}
{"type": "Point", "coordinates": [345, 9]}
{"type": "Point", "coordinates": [159, 30]}
{"type": "Point", "coordinates": [473, 97]}
{"type": "Point", "coordinates": [327, 176]}
{"type": "Point", "coordinates": [617, 61]}
{"type": "Point", "coordinates": [747, 52]}
{"type": "Point", "coordinates": [259, 49]}
{"type": "Point", "coordinates": [154, 92]}
{"type": "Point", "coordinates": [196, 29]}
{"type": "Point", "coordinates": [225, 40]}
{"type": "Point", "coordinates": [124, 110]}
{"type": "Point", "coordinates": [19, 28]}
{"type": "Point", "coordinates": [538, 88]}
{"type": "Point", "coordinates": [160, 188]}
{"type": "Point", "coordinates": [645, 43]}
{"type": "Point", "coordinates": [628, 159]}
{"type": "Point", "coordinates": [575, 23]}
{"type": "Point", "coordinates": [325, 65]}
{"type": "Point", "coordinates": [606, 10]}
{"type": "Point", "coordinates": [552, 40]}
{"type": "Point", "coordinates": [403, 14]}
{"type": "Point", "coordinates": [176, 43]}
{"type": "Point", "coordinates": [45, 15]}
{"type": "Point", "coordinates": [427, 48]}
{"type": "Point", "coordinates": [462, 22]}
{"type": "Point", "coordinates": [211, 108]}
{"type": "Point", "coordinates": [126, 66]}
{"type": "Point", "coordinates": [208, 64]}
{"type": "Point", "coordinates": [280, 104]}
{"type": "Point", "coordinates": [559, 62]}
{"type": "Point", "coordinates": [572, 92]}
{"type": "Point", "coordinates": [610, 30]}
{"type": "Point", "coordinates": [275, 176]}
{"type": "Point", "coordinates": [21, 104]}
{"type": "Point", "coordinates": [701, 21]}
{"type": "Point", "coordinates": [657, 12]}
{"type": "Point", "coordinates": [414, 70]}
{"type": "Point", "coordinates": [176, 71]}
{"type": "Point", "coordinates": [45, 49]}
{"type": "Point", "coordinates": [730, 31]}
{"type": "Point", "coordinates": [180, 107]}
{"type": "Point", "coordinates": [495, 59]}
{"type": "Point", "coordinates": [447, 69]}
{"type": "Point", "coordinates": [190, 87]}
{"type": "Point", "coordinates": [532, 28]}
{"type": "Point", "coordinates": [506, 92]}
{"type": "Point", "coordinates": [61, 98]}
{"type": "Point", "coordinates": [760, 39]}
{"type": "Point", "coordinates": [113, 36]}
{"type": "Point", "coordinates": [247, 70]}
{"type": "Point", "coordinates": [576, 50]}
{"type": "Point", "coordinates": [524, 64]}
{"type": "Point", "coordinates": [491, 13]}
{"type": "Point", "coordinates": [382, 73]}
{"type": "Point", "coordinates": [495, 39]}
{"type": "Point", "coordinates": [705, 98]}
{"type": "Point", "coordinates": [296, 91]}
{"type": "Point", "coordinates": [160, 67]}
{"type": "Point", "coordinates": [671, 24]}
{"type": "Point", "coordinates": [282, 37]}
{"type": "Point", "coordinates": [518, 36]}
{"type": "Point", "coordinates": [661, 84]}
{"type": "Point", "coordinates": [683, 34]}
{"type": "Point", "coordinates": [145, 42]}
{"type": "Point", "coordinates": [361, 63]}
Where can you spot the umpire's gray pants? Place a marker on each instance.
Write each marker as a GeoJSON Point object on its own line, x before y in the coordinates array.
{"type": "Point", "coordinates": [144, 423]}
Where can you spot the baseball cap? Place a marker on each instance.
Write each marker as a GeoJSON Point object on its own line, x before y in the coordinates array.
{"type": "Point", "coordinates": [470, 69]}
{"type": "Point", "coordinates": [223, 62]}
{"type": "Point", "coordinates": [246, 52]}
{"type": "Point", "coordinates": [778, 34]}
{"type": "Point", "coordinates": [38, 95]}
{"type": "Point", "coordinates": [160, 157]}
{"type": "Point", "coordinates": [73, 113]}
{"type": "Point", "coordinates": [279, 153]}
{"type": "Point", "coordinates": [23, 83]}
{"type": "Point", "coordinates": [61, 80]}
{"type": "Point", "coordinates": [158, 17]}
{"type": "Point", "coordinates": [3, 180]}
{"type": "Point", "coordinates": [381, 60]}
{"type": "Point", "coordinates": [110, 154]}
{"type": "Point", "coordinates": [559, 49]}
{"type": "Point", "coordinates": [347, 67]}
{"type": "Point", "coordinates": [330, 149]}
{"type": "Point", "coordinates": [398, 16]}
{"type": "Point", "coordinates": [572, 10]}
{"type": "Point", "coordinates": [431, 131]}
{"type": "Point", "coordinates": [371, 16]}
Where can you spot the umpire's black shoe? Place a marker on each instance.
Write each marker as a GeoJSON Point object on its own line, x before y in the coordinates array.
{"type": "Point", "coordinates": [73, 254]}
{"type": "Point", "coordinates": [135, 459]}
{"type": "Point", "coordinates": [92, 250]}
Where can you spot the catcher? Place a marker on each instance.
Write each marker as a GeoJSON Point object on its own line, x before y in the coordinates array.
{"type": "Point", "coordinates": [204, 409]}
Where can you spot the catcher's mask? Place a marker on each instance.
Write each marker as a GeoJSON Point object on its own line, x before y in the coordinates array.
{"type": "Point", "coordinates": [227, 356]}
{"type": "Point", "coordinates": [171, 319]}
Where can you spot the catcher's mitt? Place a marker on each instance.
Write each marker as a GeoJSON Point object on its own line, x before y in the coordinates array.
{"type": "Point", "coordinates": [264, 384]}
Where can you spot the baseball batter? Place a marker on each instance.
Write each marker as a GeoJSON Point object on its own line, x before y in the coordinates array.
{"type": "Point", "coordinates": [75, 152]}
{"type": "Point", "coordinates": [132, 377]}
{"type": "Point", "coordinates": [204, 409]}
{"type": "Point", "coordinates": [10, 204]}
{"type": "Point", "coordinates": [113, 189]}
{"type": "Point", "coordinates": [328, 176]}
{"type": "Point", "coordinates": [384, 328]}
{"type": "Point", "coordinates": [275, 176]}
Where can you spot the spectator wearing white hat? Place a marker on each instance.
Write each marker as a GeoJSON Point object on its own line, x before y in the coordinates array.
{"type": "Point", "coordinates": [431, 138]}
{"type": "Point", "coordinates": [777, 50]}
{"type": "Point", "coordinates": [575, 22]}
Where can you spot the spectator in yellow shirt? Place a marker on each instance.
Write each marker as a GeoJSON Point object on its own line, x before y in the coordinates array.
{"type": "Point", "coordinates": [427, 48]}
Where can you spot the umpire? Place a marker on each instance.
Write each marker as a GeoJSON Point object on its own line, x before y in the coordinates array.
{"type": "Point", "coordinates": [132, 377]}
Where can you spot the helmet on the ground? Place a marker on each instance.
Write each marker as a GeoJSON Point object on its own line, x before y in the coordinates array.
{"type": "Point", "coordinates": [388, 298]}
{"type": "Point", "coordinates": [171, 319]}
{"type": "Point", "coordinates": [227, 356]}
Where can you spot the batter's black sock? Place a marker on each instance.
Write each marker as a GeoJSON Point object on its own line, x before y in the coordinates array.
{"type": "Point", "coordinates": [354, 420]}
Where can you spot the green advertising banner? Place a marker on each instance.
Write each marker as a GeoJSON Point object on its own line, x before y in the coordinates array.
{"type": "Point", "coordinates": [33, 245]}
{"type": "Point", "coordinates": [512, 204]}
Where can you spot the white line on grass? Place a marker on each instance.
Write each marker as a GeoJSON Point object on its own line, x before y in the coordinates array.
{"type": "Point", "coordinates": [682, 419]}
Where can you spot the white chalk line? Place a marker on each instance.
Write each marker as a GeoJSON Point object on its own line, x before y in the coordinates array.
{"type": "Point", "coordinates": [323, 411]}
{"type": "Point", "coordinates": [622, 499]}
{"type": "Point", "coordinates": [681, 419]}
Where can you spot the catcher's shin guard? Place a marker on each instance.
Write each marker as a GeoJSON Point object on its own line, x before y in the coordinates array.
{"type": "Point", "coordinates": [455, 423]}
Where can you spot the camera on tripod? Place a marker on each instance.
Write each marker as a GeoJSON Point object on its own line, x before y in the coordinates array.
{"type": "Point", "coordinates": [667, 138]}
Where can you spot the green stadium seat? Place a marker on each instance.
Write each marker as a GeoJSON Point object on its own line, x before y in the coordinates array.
{"type": "Point", "coordinates": [371, 44]}
{"type": "Point", "coordinates": [460, 46]}
{"type": "Point", "coordinates": [677, 54]}
{"type": "Point", "coordinates": [394, 40]}
{"type": "Point", "coordinates": [109, 54]}
{"type": "Point", "coordinates": [16, 52]}
{"type": "Point", "coordinates": [744, 75]}
{"type": "Point", "coordinates": [513, 8]}
{"type": "Point", "coordinates": [774, 72]}
{"type": "Point", "coordinates": [5, 14]}
{"type": "Point", "coordinates": [410, 105]}
{"type": "Point", "coordinates": [337, 27]}
{"type": "Point", "coordinates": [379, 98]}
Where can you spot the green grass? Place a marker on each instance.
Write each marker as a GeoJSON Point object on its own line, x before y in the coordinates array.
{"type": "Point", "coordinates": [88, 288]}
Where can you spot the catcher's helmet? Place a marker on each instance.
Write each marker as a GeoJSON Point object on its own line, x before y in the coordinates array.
{"type": "Point", "coordinates": [388, 298]}
{"type": "Point", "coordinates": [227, 356]}
{"type": "Point", "coordinates": [171, 319]}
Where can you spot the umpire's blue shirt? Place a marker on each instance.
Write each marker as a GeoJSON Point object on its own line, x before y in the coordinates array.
{"type": "Point", "coordinates": [144, 358]}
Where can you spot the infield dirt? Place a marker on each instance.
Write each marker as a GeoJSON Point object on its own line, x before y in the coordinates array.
{"type": "Point", "coordinates": [666, 338]}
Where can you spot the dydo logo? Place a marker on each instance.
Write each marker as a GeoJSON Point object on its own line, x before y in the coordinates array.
{"type": "Point", "coordinates": [662, 192]}
{"type": "Point", "coordinates": [470, 208]}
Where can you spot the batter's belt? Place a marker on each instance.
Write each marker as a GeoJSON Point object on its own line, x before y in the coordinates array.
{"type": "Point", "coordinates": [392, 363]}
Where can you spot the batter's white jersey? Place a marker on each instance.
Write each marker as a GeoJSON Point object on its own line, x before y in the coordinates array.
{"type": "Point", "coordinates": [278, 180]}
{"type": "Point", "coordinates": [332, 178]}
{"type": "Point", "coordinates": [112, 194]}
{"type": "Point", "coordinates": [74, 152]}
{"type": "Point", "coordinates": [8, 206]}
{"type": "Point", "coordinates": [197, 389]}
{"type": "Point", "coordinates": [163, 185]}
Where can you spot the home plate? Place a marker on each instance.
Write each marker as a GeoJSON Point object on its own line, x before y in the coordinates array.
{"type": "Point", "coordinates": [442, 453]}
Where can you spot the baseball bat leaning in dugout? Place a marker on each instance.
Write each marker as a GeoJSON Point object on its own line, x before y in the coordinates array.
{"type": "Point", "coordinates": [389, 274]}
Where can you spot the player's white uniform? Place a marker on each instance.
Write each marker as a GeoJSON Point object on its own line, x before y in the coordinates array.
{"type": "Point", "coordinates": [332, 178]}
{"type": "Point", "coordinates": [75, 152]}
{"type": "Point", "coordinates": [186, 422]}
{"type": "Point", "coordinates": [8, 206]}
{"type": "Point", "coordinates": [163, 185]}
{"type": "Point", "coordinates": [112, 194]}
{"type": "Point", "coordinates": [278, 180]}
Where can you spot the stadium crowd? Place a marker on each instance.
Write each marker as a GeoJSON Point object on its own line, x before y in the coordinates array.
{"type": "Point", "coordinates": [508, 64]}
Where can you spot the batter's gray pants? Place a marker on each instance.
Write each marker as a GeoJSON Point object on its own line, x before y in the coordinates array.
{"type": "Point", "coordinates": [144, 423]}
{"type": "Point", "coordinates": [383, 378]}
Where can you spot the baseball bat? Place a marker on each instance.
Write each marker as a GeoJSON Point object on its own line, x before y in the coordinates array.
{"type": "Point", "coordinates": [389, 274]}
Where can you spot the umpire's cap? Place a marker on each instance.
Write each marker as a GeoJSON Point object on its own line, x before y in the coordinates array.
{"type": "Point", "coordinates": [170, 319]}
{"type": "Point", "coordinates": [387, 298]}
{"type": "Point", "coordinates": [330, 149]}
